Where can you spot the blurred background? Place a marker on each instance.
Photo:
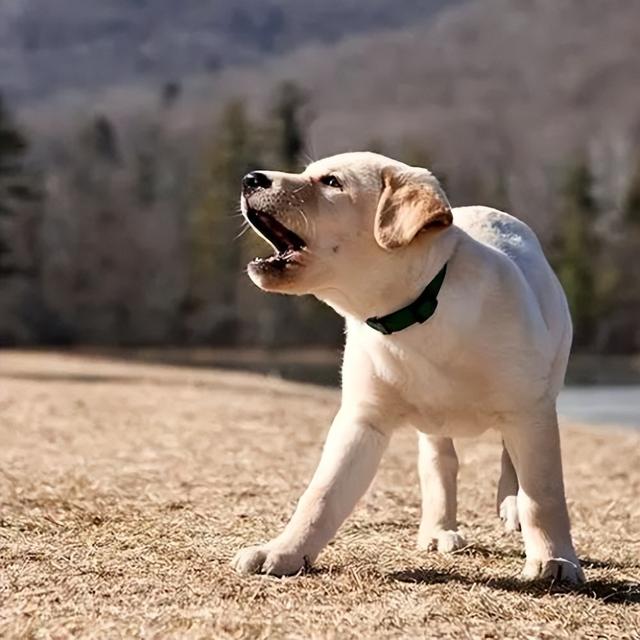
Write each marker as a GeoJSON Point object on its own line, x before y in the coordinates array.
{"type": "Point", "coordinates": [125, 126]}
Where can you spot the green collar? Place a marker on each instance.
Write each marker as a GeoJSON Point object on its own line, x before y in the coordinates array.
{"type": "Point", "coordinates": [419, 310]}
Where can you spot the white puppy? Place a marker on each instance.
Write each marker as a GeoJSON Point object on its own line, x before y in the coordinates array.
{"type": "Point", "coordinates": [377, 240]}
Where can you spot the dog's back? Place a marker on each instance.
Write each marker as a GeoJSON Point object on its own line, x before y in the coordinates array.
{"type": "Point", "coordinates": [518, 242]}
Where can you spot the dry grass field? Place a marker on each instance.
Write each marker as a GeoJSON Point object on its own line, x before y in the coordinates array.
{"type": "Point", "coordinates": [125, 489]}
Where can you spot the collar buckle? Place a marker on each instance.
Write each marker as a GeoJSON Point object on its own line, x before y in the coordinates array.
{"type": "Point", "coordinates": [375, 323]}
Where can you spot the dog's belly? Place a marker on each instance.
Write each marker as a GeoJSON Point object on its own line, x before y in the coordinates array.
{"type": "Point", "coordinates": [436, 414]}
{"type": "Point", "coordinates": [460, 424]}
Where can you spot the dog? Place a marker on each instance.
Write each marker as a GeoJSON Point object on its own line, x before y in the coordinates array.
{"type": "Point", "coordinates": [455, 324]}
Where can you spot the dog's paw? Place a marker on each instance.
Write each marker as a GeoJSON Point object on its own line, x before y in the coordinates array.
{"type": "Point", "coordinates": [509, 514]}
{"type": "Point", "coordinates": [269, 560]}
{"type": "Point", "coordinates": [555, 569]}
{"type": "Point", "coordinates": [442, 541]}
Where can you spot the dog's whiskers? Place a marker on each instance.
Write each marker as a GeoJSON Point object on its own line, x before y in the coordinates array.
{"type": "Point", "coordinates": [244, 230]}
{"type": "Point", "coordinates": [306, 220]}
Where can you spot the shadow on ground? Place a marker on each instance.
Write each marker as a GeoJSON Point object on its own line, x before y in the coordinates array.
{"type": "Point", "coordinates": [67, 377]}
{"type": "Point", "coordinates": [608, 591]}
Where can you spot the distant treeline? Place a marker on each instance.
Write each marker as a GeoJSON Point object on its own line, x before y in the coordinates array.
{"type": "Point", "coordinates": [128, 233]}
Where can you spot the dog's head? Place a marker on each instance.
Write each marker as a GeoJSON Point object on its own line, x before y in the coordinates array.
{"type": "Point", "coordinates": [342, 219]}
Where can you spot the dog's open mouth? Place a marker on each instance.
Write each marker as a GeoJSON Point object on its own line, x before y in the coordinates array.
{"type": "Point", "coordinates": [288, 245]}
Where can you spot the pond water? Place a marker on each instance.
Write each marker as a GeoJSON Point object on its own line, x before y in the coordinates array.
{"type": "Point", "coordinates": [600, 391]}
{"type": "Point", "coordinates": [609, 405]}
{"type": "Point", "coordinates": [597, 404]}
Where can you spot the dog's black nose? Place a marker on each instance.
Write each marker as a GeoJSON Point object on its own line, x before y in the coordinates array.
{"type": "Point", "coordinates": [256, 180]}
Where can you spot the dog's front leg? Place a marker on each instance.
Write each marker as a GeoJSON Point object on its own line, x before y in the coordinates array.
{"type": "Point", "coordinates": [348, 464]}
{"type": "Point", "coordinates": [438, 470]}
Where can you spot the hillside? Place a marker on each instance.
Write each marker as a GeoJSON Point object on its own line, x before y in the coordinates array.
{"type": "Point", "coordinates": [497, 86]}
{"type": "Point", "coordinates": [73, 45]}
{"type": "Point", "coordinates": [529, 106]}
{"type": "Point", "coordinates": [513, 88]}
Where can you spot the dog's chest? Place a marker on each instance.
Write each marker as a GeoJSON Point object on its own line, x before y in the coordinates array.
{"type": "Point", "coordinates": [440, 395]}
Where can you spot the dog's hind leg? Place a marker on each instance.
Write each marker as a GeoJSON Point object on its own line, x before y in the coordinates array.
{"type": "Point", "coordinates": [507, 498]}
{"type": "Point", "coordinates": [438, 470]}
{"type": "Point", "coordinates": [534, 447]}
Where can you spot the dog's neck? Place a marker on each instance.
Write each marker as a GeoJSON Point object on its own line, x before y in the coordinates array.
{"type": "Point", "coordinates": [397, 281]}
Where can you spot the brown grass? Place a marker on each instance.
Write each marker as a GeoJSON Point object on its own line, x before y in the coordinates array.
{"type": "Point", "coordinates": [125, 490]}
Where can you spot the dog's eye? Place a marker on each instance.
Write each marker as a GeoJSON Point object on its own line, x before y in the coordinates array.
{"type": "Point", "coordinates": [331, 181]}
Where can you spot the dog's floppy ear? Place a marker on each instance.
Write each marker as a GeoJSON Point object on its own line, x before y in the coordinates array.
{"type": "Point", "coordinates": [411, 201]}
